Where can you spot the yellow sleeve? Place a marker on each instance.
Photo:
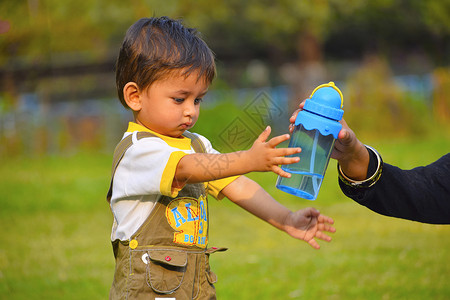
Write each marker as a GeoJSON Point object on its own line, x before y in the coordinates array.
{"type": "Point", "coordinates": [169, 173]}
{"type": "Point", "coordinates": [215, 187]}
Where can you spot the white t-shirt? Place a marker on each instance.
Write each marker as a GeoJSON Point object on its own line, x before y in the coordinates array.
{"type": "Point", "coordinates": [145, 173]}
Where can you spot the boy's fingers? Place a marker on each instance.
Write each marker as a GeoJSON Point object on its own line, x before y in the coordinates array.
{"type": "Point", "coordinates": [326, 227]}
{"type": "Point", "coordinates": [314, 244]}
{"type": "Point", "coordinates": [287, 151]}
{"type": "Point", "coordinates": [287, 160]}
{"type": "Point", "coordinates": [279, 171]}
{"type": "Point", "coordinates": [275, 141]}
{"type": "Point", "coordinates": [264, 135]}
{"type": "Point", "coordinates": [313, 212]}
{"type": "Point", "coordinates": [325, 219]}
{"type": "Point", "coordinates": [323, 236]}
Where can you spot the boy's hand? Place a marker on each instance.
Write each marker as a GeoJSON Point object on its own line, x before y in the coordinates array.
{"type": "Point", "coordinates": [264, 156]}
{"type": "Point", "coordinates": [308, 224]}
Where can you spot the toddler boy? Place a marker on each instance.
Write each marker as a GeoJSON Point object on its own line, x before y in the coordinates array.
{"type": "Point", "coordinates": [162, 173]}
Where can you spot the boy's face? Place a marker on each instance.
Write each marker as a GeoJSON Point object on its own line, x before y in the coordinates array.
{"type": "Point", "coordinates": [171, 106]}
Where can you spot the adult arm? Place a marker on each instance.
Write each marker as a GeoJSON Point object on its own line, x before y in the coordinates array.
{"type": "Point", "coordinates": [421, 194]}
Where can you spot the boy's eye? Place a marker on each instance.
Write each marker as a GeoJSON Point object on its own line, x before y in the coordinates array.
{"type": "Point", "coordinates": [198, 100]}
{"type": "Point", "coordinates": [178, 100]}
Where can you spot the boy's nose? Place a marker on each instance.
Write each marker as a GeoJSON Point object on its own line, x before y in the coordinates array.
{"type": "Point", "coordinates": [189, 109]}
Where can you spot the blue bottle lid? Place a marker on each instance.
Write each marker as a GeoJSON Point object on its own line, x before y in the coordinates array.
{"type": "Point", "coordinates": [323, 110]}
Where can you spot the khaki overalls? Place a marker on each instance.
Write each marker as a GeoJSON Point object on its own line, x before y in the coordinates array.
{"type": "Point", "coordinates": [167, 257]}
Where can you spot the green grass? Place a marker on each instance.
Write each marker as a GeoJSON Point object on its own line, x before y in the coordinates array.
{"type": "Point", "coordinates": [56, 227]}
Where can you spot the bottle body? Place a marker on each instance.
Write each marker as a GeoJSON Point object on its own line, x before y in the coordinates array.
{"type": "Point", "coordinates": [308, 173]}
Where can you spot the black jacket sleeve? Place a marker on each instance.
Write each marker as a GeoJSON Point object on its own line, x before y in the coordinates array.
{"type": "Point", "coordinates": [421, 194]}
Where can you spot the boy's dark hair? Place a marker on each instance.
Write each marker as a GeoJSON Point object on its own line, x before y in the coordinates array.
{"type": "Point", "coordinates": [155, 47]}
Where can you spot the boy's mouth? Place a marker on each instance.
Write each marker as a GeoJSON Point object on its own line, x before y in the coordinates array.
{"type": "Point", "coordinates": [186, 125]}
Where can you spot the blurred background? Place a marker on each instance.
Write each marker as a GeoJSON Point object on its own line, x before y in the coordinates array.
{"type": "Point", "coordinates": [389, 57]}
{"type": "Point", "coordinates": [60, 120]}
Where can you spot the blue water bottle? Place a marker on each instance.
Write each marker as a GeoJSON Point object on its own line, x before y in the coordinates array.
{"type": "Point", "coordinates": [316, 129]}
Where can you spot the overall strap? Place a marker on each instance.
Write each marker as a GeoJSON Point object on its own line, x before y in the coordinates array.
{"type": "Point", "coordinates": [119, 152]}
{"type": "Point", "coordinates": [126, 143]}
{"type": "Point", "coordinates": [196, 143]}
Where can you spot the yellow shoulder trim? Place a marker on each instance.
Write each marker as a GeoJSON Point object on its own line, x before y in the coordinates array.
{"type": "Point", "coordinates": [169, 173]}
{"type": "Point", "coordinates": [216, 186]}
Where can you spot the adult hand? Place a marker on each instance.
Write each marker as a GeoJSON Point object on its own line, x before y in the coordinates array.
{"type": "Point", "coordinates": [351, 154]}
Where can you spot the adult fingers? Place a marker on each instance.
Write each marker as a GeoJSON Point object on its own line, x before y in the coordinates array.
{"type": "Point", "coordinates": [346, 135]}
{"type": "Point", "coordinates": [291, 127]}
{"type": "Point", "coordinates": [294, 116]}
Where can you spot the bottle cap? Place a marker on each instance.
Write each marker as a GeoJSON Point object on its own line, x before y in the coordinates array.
{"type": "Point", "coordinates": [322, 110]}
{"type": "Point", "coordinates": [326, 100]}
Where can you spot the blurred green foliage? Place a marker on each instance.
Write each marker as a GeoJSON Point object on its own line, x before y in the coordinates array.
{"type": "Point", "coordinates": [42, 29]}
{"type": "Point", "coordinates": [375, 104]}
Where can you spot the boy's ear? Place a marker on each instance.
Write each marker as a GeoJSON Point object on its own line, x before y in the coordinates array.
{"type": "Point", "coordinates": [132, 96]}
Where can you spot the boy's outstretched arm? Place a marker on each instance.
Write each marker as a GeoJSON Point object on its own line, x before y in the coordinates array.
{"type": "Point", "coordinates": [263, 156]}
{"type": "Point", "coordinates": [306, 224]}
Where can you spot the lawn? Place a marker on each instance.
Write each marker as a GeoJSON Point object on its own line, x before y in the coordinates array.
{"type": "Point", "coordinates": [56, 225]}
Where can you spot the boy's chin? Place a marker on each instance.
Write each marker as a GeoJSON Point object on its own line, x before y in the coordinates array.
{"type": "Point", "coordinates": [177, 134]}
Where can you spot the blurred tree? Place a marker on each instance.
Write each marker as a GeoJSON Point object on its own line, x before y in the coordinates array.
{"type": "Point", "coordinates": [441, 98]}
{"type": "Point", "coordinates": [40, 29]}
{"type": "Point", "coordinates": [276, 32]}
{"type": "Point", "coordinates": [376, 105]}
{"type": "Point", "coordinates": [236, 29]}
{"type": "Point", "coordinates": [390, 27]}
{"type": "Point", "coordinates": [52, 32]}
